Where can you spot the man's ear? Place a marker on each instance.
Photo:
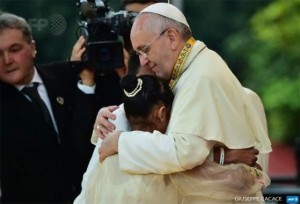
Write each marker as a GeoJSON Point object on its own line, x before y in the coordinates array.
{"type": "Point", "coordinates": [174, 37]}
{"type": "Point", "coordinates": [33, 48]}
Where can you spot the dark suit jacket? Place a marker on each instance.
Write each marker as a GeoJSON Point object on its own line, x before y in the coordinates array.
{"type": "Point", "coordinates": [35, 167]}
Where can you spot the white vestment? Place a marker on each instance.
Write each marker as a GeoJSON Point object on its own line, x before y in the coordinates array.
{"type": "Point", "coordinates": [210, 106]}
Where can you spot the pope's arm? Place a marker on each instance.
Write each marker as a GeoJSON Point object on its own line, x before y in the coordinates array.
{"type": "Point", "coordinates": [144, 152]}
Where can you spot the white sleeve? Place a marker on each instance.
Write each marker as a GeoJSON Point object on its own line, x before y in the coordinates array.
{"type": "Point", "coordinates": [144, 152]}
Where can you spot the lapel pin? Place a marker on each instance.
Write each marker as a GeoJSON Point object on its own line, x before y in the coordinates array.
{"type": "Point", "coordinates": [60, 100]}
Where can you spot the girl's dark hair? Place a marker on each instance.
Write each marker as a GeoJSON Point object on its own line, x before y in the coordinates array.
{"type": "Point", "coordinates": [152, 91]}
{"type": "Point", "coordinates": [133, 63]}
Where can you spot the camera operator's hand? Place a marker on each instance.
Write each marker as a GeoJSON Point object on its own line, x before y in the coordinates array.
{"type": "Point", "coordinates": [102, 125]}
{"type": "Point", "coordinates": [87, 75]}
{"type": "Point", "coordinates": [78, 49]}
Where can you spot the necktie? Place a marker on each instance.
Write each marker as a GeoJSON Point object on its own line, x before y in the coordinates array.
{"type": "Point", "coordinates": [32, 93]}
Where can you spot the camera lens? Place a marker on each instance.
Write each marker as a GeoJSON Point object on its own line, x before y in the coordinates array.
{"type": "Point", "coordinates": [104, 54]}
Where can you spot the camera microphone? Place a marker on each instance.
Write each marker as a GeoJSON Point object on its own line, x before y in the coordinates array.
{"type": "Point", "coordinates": [88, 11]}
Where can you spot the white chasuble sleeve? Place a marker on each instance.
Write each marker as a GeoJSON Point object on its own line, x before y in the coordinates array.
{"type": "Point", "coordinates": [258, 108]}
{"type": "Point", "coordinates": [145, 152]}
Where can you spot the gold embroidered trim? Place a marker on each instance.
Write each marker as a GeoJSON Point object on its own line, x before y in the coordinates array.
{"type": "Point", "coordinates": [178, 68]}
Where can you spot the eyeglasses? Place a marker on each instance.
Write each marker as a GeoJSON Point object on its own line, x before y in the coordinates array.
{"type": "Point", "coordinates": [144, 51]}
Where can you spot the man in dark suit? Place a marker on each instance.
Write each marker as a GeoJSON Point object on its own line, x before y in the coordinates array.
{"type": "Point", "coordinates": [38, 133]}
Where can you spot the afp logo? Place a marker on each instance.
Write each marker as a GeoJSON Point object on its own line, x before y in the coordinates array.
{"type": "Point", "coordinates": [56, 24]}
{"type": "Point", "coordinates": [292, 199]}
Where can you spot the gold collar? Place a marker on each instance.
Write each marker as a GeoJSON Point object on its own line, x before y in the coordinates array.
{"type": "Point", "coordinates": [178, 68]}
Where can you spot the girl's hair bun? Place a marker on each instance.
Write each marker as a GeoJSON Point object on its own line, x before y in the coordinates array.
{"type": "Point", "coordinates": [129, 82]}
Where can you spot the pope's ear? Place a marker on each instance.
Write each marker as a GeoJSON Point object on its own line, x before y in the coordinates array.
{"type": "Point", "coordinates": [173, 37]}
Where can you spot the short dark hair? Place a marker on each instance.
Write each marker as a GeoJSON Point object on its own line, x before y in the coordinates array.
{"type": "Point", "coordinates": [151, 91]}
{"type": "Point", "coordinates": [11, 21]}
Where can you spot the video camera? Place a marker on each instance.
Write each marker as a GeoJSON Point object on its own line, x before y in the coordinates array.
{"type": "Point", "coordinates": [102, 30]}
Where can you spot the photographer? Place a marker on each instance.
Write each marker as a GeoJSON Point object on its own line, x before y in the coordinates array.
{"type": "Point", "coordinates": [108, 80]}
